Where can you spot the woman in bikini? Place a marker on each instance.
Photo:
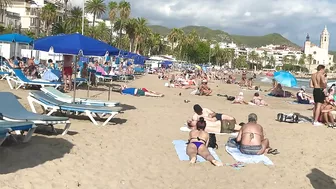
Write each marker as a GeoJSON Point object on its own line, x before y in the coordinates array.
{"type": "Point", "coordinates": [198, 144]}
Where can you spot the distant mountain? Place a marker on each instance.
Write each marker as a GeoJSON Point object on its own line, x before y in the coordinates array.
{"type": "Point", "coordinates": [221, 36]}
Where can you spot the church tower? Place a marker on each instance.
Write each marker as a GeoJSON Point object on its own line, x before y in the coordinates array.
{"type": "Point", "coordinates": [307, 45]}
{"type": "Point", "coordinates": [324, 39]}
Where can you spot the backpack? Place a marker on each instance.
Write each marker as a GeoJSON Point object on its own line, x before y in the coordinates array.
{"type": "Point", "coordinates": [212, 141]}
{"type": "Point", "coordinates": [288, 118]}
{"type": "Point", "coordinates": [231, 98]}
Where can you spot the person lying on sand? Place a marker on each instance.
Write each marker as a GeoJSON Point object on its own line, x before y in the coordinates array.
{"type": "Point", "coordinates": [139, 92]}
{"type": "Point", "coordinates": [252, 140]}
{"type": "Point", "coordinates": [198, 144]}
{"type": "Point", "coordinates": [239, 99]}
{"type": "Point", "coordinates": [257, 100]}
{"type": "Point", "coordinates": [217, 123]}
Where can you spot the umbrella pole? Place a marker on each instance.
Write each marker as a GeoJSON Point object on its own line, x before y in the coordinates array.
{"type": "Point", "coordinates": [88, 85]}
{"type": "Point", "coordinates": [109, 92]}
{"type": "Point", "coordinates": [75, 73]}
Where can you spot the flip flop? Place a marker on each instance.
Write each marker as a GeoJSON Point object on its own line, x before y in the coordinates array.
{"type": "Point", "coordinates": [273, 151]}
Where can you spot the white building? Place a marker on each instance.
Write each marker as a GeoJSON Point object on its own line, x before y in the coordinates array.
{"type": "Point", "coordinates": [29, 12]}
{"type": "Point", "coordinates": [320, 53]}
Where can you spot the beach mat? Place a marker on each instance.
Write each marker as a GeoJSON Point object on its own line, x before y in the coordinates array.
{"type": "Point", "coordinates": [186, 129]}
{"type": "Point", "coordinates": [295, 102]}
{"type": "Point", "coordinates": [240, 157]}
{"type": "Point", "coordinates": [181, 150]}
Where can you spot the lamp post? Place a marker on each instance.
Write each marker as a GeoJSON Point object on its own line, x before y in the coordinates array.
{"type": "Point", "coordinates": [83, 15]}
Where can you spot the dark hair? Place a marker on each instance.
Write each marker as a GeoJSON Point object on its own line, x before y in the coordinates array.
{"type": "Point", "coordinates": [320, 67]}
{"type": "Point", "coordinates": [198, 109]}
{"type": "Point", "coordinates": [201, 124]}
{"type": "Point", "coordinates": [256, 94]}
{"type": "Point", "coordinates": [49, 61]}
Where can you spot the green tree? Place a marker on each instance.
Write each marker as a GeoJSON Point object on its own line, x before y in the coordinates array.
{"type": "Point", "coordinates": [96, 8]}
{"type": "Point", "coordinates": [113, 14]}
{"type": "Point", "coordinates": [310, 60]}
{"type": "Point", "coordinates": [75, 19]}
{"type": "Point", "coordinates": [302, 60]}
{"type": "Point", "coordinates": [272, 61]}
{"type": "Point", "coordinates": [241, 62]}
{"type": "Point", "coordinates": [48, 16]}
{"type": "Point", "coordinates": [124, 13]}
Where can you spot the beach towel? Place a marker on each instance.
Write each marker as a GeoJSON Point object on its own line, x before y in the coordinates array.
{"type": "Point", "coordinates": [186, 129]}
{"type": "Point", "coordinates": [295, 102]}
{"type": "Point", "coordinates": [240, 157]}
{"type": "Point", "coordinates": [181, 150]}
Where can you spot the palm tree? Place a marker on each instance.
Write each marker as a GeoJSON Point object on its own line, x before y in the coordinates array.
{"type": "Point", "coordinates": [75, 18]}
{"type": "Point", "coordinates": [124, 13]}
{"type": "Point", "coordinates": [310, 60]}
{"type": "Point", "coordinates": [156, 44]}
{"type": "Point", "coordinates": [141, 32]}
{"type": "Point", "coordinates": [113, 13]}
{"type": "Point", "coordinates": [65, 9]}
{"type": "Point", "coordinates": [48, 16]}
{"type": "Point", "coordinates": [265, 57]}
{"type": "Point", "coordinates": [173, 37]}
{"type": "Point", "coordinates": [101, 31]}
{"type": "Point", "coordinates": [272, 61]}
{"type": "Point", "coordinates": [95, 7]}
{"type": "Point", "coordinates": [131, 29]}
{"type": "Point", "coordinates": [253, 57]}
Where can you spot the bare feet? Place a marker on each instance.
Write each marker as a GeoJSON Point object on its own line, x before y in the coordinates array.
{"type": "Point", "coordinates": [217, 163]}
{"type": "Point", "coordinates": [193, 160]}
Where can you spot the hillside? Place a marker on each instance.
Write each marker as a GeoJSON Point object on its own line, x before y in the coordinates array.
{"type": "Point", "coordinates": [221, 36]}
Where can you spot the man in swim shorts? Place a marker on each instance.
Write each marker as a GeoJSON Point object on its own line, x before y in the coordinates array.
{"type": "Point", "coordinates": [222, 123]}
{"type": "Point", "coordinates": [251, 138]}
{"type": "Point", "coordinates": [67, 72]}
{"type": "Point", "coordinates": [319, 83]}
{"type": "Point", "coordinates": [138, 92]}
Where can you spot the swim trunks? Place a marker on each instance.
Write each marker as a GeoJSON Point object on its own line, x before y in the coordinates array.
{"type": "Point", "coordinates": [218, 116]}
{"type": "Point", "coordinates": [228, 126]}
{"type": "Point", "coordinates": [250, 149]}
{"type": "Point", "coordinates": [67, 71]}
{"type": "Point", "coordinates": [319, 95]}
{"type": "Point", "coordinates": [140, 92]}
{"type": "Point", "coordinates": [129, 91]}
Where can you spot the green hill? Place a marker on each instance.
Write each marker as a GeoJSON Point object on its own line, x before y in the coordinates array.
{"type": "Point", "coordinates": [221, 36]}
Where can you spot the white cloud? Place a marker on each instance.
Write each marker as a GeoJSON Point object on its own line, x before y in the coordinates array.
{"type": "Point", "coordinates": [290, 17]}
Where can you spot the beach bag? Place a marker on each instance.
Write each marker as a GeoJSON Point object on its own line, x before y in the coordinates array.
{"type": "Point", "coordinates": [288, 118]}
{"type": "Point", "coordinates": [212, 141]}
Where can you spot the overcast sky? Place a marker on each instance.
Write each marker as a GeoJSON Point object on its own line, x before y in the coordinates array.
{"type": "Point", "coordinates": [291, 18]}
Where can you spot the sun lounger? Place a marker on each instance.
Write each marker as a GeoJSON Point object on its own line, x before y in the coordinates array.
{"type": "Point", "coordinates": [51, 104]}
{"type": "Point", "coordinates": [69, 99]}
{"type": "Point", "coordinates": [4, 133]}
{"type": "Point", "coordinates": [17, 126]}
{"type": "Point", "coordinates": [12, 110]}
{"type": "Point", "coordinates": [20, 79]}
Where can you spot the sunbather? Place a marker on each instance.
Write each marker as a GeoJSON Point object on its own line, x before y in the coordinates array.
{"type": "Point", "coordinates": [302, 97]}
{"type": "Point", "coordinates": [217, 123]}
{"type": "Point", "coordinates": [139, 92]}
{"type": "Point", "coordinates": [326, 115]}
{"type": "Point", "coordinates": [204, 88]}
{"type": "Point", "coordinates": [239, 99]}
{"type": "Point", "coordinates": [252, 140]}
{"type": "Point", "coordinates": [257, 100]}
{"type": "Point", "coordinates": [198, 143]}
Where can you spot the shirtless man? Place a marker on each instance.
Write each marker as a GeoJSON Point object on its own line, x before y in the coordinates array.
{"type": "Point", "coordinates": [216, 122]}
{"type": "Point", "coordinates": [252, 140]}
{"type": "Point", "coordinates": [67, 71]}
{"type": "Point", "coordinates": [319, 83]}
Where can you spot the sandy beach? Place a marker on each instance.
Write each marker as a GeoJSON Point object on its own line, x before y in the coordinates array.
{"type": "Point", "coordinates": [135, 150]}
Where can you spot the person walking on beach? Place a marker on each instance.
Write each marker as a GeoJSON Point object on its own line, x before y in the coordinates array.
{"type": "Point", "coordinates": [319, 83]}
{"type": "Point", "coordinates": [67, 72]}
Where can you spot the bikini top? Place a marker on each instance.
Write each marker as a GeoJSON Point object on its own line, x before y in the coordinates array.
{"type": "Point", "coordinates": [198, 138]}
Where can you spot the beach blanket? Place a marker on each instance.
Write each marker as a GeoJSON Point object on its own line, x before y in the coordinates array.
{"type": "Point", "coordinates": [240, 157]}
{"type": "Point", "coordinates": [181, 150]}
{"type": "Point", "coordinates": [186, 129]}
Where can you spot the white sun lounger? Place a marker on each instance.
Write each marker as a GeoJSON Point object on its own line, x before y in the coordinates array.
{"type": "Point", "coordinates": [12, 110]}
{"type": "Point", "coordinates": [20, 80]}
{"type": "Point", "coordinates": [52, 105]}
{"type": "Point", "coordinates": [69, 99]}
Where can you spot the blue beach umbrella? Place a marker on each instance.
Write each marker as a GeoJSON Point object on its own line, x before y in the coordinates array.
{"type": "Point", "coordinates": [285, 78]}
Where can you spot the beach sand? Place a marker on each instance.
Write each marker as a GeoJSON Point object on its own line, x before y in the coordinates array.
{"type": "Point", "coordinates": [136, 150]}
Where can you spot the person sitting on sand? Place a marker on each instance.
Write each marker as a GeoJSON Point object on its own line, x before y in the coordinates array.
{"type": "Point", "coordinates": [302, 97]}
{"type": "Point", "coordinates": [139, 92]}
{"type": "Point", "coordinates": [198, 144]}
{"type": "Point", "coordinates": [204, 89]}
{"type": "Point", "coordinates": [239, 99]}
{"type": "Point", "coordinates": [326, 114]}
{"type": "Point", "coordinates": [257, 100]}
{"type": "Point", "coordinates": [217, 123]}
{"type": "Point", "coordinates": [279, 92]}
{"type": "Point", "coordinates": [252, 140]}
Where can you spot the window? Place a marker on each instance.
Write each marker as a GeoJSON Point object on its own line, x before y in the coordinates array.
{"type": "Point", "coordinates": [325, 38]}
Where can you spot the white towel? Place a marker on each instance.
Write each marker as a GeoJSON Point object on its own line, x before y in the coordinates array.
{"type": "Point", "coordinates": [238, 156]}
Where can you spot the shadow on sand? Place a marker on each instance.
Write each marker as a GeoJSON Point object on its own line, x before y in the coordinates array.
{"type": "Point", "coordinates": [40, 149]}
{"type": "Point", "coordinates": [319, 180]}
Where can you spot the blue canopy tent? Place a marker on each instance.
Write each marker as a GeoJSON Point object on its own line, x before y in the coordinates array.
{"type": "Point", "coordinates": [166, 63]}
{"type": "Point", "coordinates": [75, 44]}
{"type": "Point", "coordinates": [16, 38]}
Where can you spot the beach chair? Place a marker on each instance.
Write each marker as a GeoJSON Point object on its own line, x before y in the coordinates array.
{"type": "Point", "coordinates": [69, 99]}
{"type": "Point", "coordinates": [7, 126]}
{"type": "Point", "coordinates": [20, 79]}
{"type": "Point", "coordinates": [52, 105]}
{"type": "Point", "coordinates": [12, 110]}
